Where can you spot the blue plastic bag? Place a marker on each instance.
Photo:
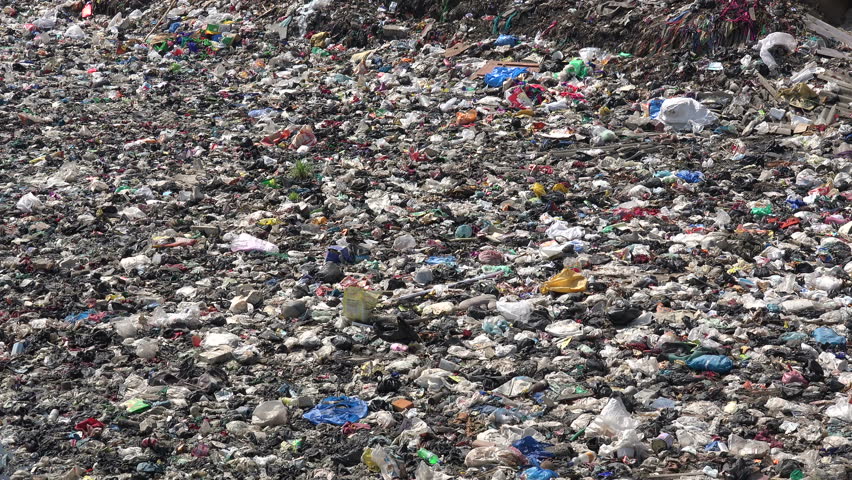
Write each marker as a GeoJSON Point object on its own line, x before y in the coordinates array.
{"type": "Point", "coordinates": [711, 363]}
{"type": "Point", "coordinates": [538, 473]}
{"type": "Point", "coordinates": [690, 176]}
{"type": "Point", "coordinates": [654, 107]}
{"type": "Point", "coordinates": [501, 74]}
{"type": "Point", "coordinates": [789, 336]}
{"type": "Point", "coordinates": [338, 254]}
{"type": "Point", "coordinates": [533, 449]}
{"type": "Point", "coordinates": [437, 260]}
{"type": "Point", "coordinates": [337, 411]}
{"type": "Point", "coordinates": [506, 40]}
{"type": "Point", "coordinates": [825, 335]}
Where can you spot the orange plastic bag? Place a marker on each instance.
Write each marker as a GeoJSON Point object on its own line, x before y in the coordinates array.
{"type": "Point", "coordinates": [304, 137]}
{"type": "Point", "coordinates": [566, 281]}
{"type": "Point", "coordinates": [466, 118]}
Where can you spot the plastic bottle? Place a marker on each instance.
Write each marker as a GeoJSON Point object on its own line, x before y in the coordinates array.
{"type": "Point", "coordinates": [388, 466]}
{"type": "Point", "coordinates": [430, 457]}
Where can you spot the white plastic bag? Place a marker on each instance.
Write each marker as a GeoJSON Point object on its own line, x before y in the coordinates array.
{"type": "Point", "coordinates": [561, 231]}
{"type": "Point", "coordinates": [515, 311]}
{"type": "Point", "coordinates": [46, 21]}
{"type": "Point", "coordinates": [269, 413]}
{"type": "Point", "coordinates": [590, 54]}
{"type": "Point", "coordinates": [776, 39]}
{"type": "Point", "coordinates": [248, 243]}
{"type": "Point", "coordinates": [842, 410]}
{"type": "Point", "coordinates": [74, 32]}
{"type": "Point", "coordinates": [683, 113]}
{"type": "Point", "coordinates": [28, 203]}
{"type": "Point", "coordinates": [613, 420]}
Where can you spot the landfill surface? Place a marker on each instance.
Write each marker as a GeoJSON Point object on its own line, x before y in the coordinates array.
{"type": "Point", "coordinates": [425, 240]}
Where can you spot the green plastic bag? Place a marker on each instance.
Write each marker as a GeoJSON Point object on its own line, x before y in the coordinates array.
{"type": "Point", "coordinates": [577, 68]}
{"type": "Point", "coordinates": [762, 211]}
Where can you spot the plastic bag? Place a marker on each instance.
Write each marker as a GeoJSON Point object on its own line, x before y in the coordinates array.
{"type": "Point", "coordinates": [525, 96]}
{"type": "Point", "coordinates": [654, 107]}
{"type": "Point", "coordinates": [466, 118]}
{"type": "Point", "coordinates": [711, 363]}
{"type": "Point", "coordinates": [683, 113]}
{"type": "Point", "coordinates": [358, 303]}
{"type": "Point", "coordinates": [501, 74]}
{"type": "Point", "coordinates": [566, 281]}
{"type": "Point", "coordinates": [776, 39]}
{"type": "Point", "coordinates": [538, 473]}
{"type": "Point", "coordinates": [601, 135]}
{"type": "Point", "coordinates": [533, 449]}
{"type": "Point", "coordinates": [793, 376]}
{"type": "Point", "coordinates": [46, 21]}
{"type": "Point", "coordinates": [825, 335]}
{"type": "Point", "coordinates": [270, 413]}
{"type": "Point", "coordinates": [337, 410]}
{"type": "Point", "coordinates": [74, 32]}
{"type": "Point", "coordinates": [515, 311]}
{"type": "Point", "coordinates": [590, 54]}
{"type": "Point", "coordinates": [483, 456]}
{"type": "Point", "coordinates": [612, 421]}
{"type": "Point", "coordinates": [561, 231]}
{"type": "Point", "coordinates": [842, 409]}
{"type": "Point", "coordinates": [304, 137]}
{"type": "Point", "coordinates": [404, 242]}
{"type": "Point", "coordinates": [28, 203]}
{"type": "Point", "coordinates": [249, 243]}
{"type": "Point", "coordinates": [689, 176]}
{"type": "Point", "coordinates": [800, 95]}
{"type": "Point", "coordinates": [510, 40]}
{"type": "Point", "coordinates": [577, 68]}
{"type": "Point", "coordinates": [630, 445]}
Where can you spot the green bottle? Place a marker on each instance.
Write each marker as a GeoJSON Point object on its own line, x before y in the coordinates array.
{"type": "Point", "coordinates": [430, 457]}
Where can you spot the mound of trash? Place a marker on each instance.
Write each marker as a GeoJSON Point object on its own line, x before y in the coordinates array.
{"type": "Point", "coordinates": [425, 240]}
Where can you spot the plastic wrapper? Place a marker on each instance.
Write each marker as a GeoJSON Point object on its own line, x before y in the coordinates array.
{"type": "Point", "coordinates": [566, 281]}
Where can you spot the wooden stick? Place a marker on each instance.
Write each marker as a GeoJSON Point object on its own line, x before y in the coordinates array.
{"type": "Point", "coordinates": [174, 2]}
{"type": "Point", "coordinates": [274, 7]}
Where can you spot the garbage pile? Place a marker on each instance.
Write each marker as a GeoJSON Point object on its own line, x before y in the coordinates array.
{"type": "Point", "coordinates": [425, 240]}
